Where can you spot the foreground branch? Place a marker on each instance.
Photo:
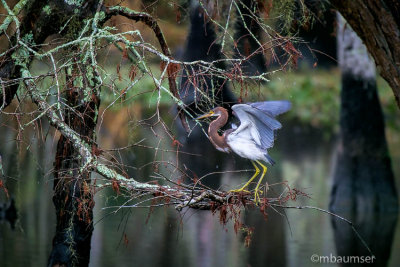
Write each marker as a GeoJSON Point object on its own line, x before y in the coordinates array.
{"type": "Point", "coordinates": [181, 196]}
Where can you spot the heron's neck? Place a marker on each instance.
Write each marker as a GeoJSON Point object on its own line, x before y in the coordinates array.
{"type": "Point", "coordinates": [217, 140]}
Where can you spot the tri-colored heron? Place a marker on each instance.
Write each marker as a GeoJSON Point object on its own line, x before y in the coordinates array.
{"type": "Point", "coordinates": [253, 137]}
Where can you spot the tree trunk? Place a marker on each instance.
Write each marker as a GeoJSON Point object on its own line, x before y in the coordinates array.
{"type": "Point", "coordinates": [363, 180]}
{"type": "Point", "coordinates": [73, 196]}
{"type": "Point", "coordinates": [363, 183]}
{"type": "Point", "coordinates": [377, 23]}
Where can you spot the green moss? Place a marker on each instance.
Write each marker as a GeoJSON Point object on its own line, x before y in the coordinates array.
{"type": "Point", "coordinates": [74, 27]}
{"type": "Point", "coordinates": [28, 39]}
{"type": "Point", "coordinates": [21, 55]}
{"type": "Point", "coordinates": [101, 15]}
{"type": "Point", "coordinates": [47, 10]}
{"type": "Point", "coordinates": [78, 82]}
{"type": "Point", "coordinates": [74, 2]}
{"type": "Point", "coordinates": [90, 76]}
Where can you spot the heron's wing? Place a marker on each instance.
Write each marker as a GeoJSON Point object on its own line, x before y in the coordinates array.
{"type": "Point", "coordinates": [272, 108]}
{"type": "Point", "coordinates": [257, 121]}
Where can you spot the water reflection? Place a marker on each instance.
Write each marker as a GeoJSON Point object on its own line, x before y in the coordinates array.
{"type": "Point", "coordinates": [132, 237]}
{"type": "Point", "coordinates": [376, 230]}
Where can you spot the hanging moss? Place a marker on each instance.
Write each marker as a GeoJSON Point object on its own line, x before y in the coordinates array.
{"type": "Point", "coordinates": [296, 14]}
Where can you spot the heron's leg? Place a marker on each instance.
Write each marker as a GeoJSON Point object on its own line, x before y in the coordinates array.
{"type": "Point", "coordinates": [256, 195]}
{"type": "Point", "coordinates": [249, 181]}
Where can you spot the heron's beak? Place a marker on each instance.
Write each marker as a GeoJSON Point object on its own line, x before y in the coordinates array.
{"type": "Point", "coordinates": [208, 114]}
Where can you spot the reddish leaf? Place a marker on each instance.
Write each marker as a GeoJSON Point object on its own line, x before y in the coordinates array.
{"type": "Point", "coordinates": [4, 188]}
{"type": "Point", "coordinates": [178, 13]}
{"type": "Point", "coordinates": [118, 72]}
{"type": "Point", "coordinates": [96, 151]}
{"type": "Point", "coordinates": [132, 72]}
{"type": "Point", "coordinates": [126, 240]}
{"type": "Point", "coordinates": [115, 186]}
{"type": "Point", "coordinates": [125, 54]}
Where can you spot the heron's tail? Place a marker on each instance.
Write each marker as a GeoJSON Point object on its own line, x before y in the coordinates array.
{"type": "Point", "coordinates": [269, 159]}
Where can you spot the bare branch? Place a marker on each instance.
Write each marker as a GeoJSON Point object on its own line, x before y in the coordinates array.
{"type": "Point", "coordinates": [152, 23]}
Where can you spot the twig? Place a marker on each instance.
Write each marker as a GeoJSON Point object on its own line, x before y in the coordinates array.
{"type": "Point", "coordinates": [152, 23]}
{"type": "Point", "coordinates": [332, 214]}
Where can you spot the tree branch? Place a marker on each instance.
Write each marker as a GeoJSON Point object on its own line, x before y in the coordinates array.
{"type": "Point", "coordinates": [181, 196]}
{"type": "Point", "coordinates": [379, 28]}
{"type": "Point", "coordinates": [147, 19]}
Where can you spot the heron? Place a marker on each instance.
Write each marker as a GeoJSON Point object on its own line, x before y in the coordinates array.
{"type": "Point", "coordinates": [252, 138]}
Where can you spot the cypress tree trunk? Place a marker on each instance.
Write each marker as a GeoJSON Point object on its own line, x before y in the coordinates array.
{"type": "Point", "coordinates": [363, 180]}
{"type": "Point", "coordinates": [363, 184]}
{"type": "Point", "coordinates": [73, 196]}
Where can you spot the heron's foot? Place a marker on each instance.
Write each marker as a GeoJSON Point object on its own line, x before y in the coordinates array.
{"type": "Point", "coordinates": [259, 192]}
{"type": "Point", "coordinates": [257, 197]}
{"type": "Point", "coordinates": [243, 188]}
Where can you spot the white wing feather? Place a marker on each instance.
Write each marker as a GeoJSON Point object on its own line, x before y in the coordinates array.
{"type": "Point", "coordinates": [257, 120]}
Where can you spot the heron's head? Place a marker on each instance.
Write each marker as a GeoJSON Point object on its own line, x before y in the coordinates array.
{"type": "Point", "coordinates": [216, 112]}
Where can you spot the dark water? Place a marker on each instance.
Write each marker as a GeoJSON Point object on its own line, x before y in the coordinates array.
{"type": "Point", "coordinates": [164, 237]}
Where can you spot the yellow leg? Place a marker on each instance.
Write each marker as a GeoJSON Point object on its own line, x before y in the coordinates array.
{"type": "Point", "coordinates": [249, 181]}
{"type": "Point", "coordinates": [256, 195]}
